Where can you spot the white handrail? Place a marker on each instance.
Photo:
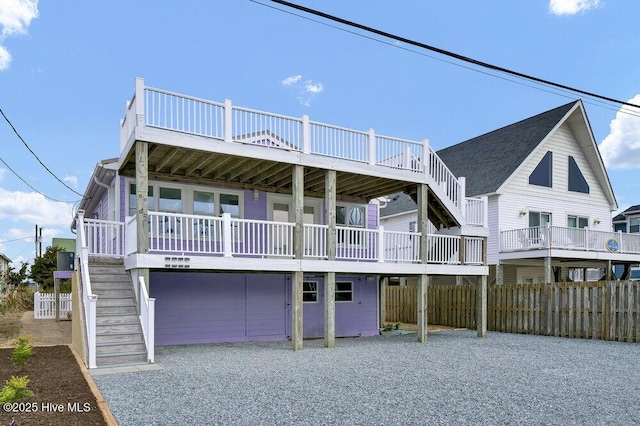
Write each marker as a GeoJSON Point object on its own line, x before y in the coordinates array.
{"type": "Point", "coordinates": [147, 318]}
{"type": "Point", "coordinates": [89, 299]}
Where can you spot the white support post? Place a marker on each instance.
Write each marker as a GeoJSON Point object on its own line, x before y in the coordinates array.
{"type": "Point", "coordinates": [426, 161]}
{"type": "Point", "coordinates": [306, 138]}
{"type": "Point", "coordinates": [228, 121]}
{"type": "Point", "coordinates": [406, 158]}
{"type": "Point", "coordinates": [372, 147]}
{"type": "Point", "coordinates": [227, 236]}
{"type": "Point", "coordinates": [485, 214]}
{"type": "Point", "coordinates": [462, 181]}
{"type": "Point", "coordinates": [380, 244]}
{"type": "Point", "coordinates": [151, 330]}
{"type": "Point", "coordinates": [139, 103]}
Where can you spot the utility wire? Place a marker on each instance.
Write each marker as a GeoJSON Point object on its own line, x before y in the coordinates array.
{"type": "Point", "coordinates": [37, 158]}
{"type": "Point", "coordinates": [28, 184]}
{"type": "Point", "coordinates": [450, 54]}
{"type": "Point", "coordinates": [17, 239]}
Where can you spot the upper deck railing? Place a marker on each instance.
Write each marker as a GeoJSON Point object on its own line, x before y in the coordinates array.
{"type": "Point", "coordinates": [221, 120]}
{"type": "Point", "coordinates": [558, 237]}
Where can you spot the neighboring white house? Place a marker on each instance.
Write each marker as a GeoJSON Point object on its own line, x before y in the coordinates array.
{"type": "Point", "coordinates": [4, 268]}
{"type": "Point", "coordinates": [629, 222]}
{"type": "Point", "coordinates": [549, 199]}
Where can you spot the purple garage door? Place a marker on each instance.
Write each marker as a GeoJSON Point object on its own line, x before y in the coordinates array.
{"type": "Point", "coordinates": [211, 307]}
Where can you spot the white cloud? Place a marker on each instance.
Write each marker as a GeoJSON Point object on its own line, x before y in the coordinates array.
{"type": "Point", "coordinates": [15, 18]}
{"type": "Point", "coordinates": [33, 208]}
{"type": "Point", "coordinates": [571, 7]}
{"type": "Point", "coordinates": [311, 87]}
{"type": "Point", "coordinates": [290, 81]}
{"type": "Point", "coordinates": [2, 173]}
{"type": "Point", "coordinates": [73, 180]}
{"type": "Point", "coordinates": [621, 148]}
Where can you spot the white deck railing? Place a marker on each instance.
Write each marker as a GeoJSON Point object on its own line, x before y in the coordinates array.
{"type": "Point", "coordinates": [226, 236]}
{"type": "Point", "coordinates": [147, 318]}
{"type": "Point", "coordinates": [89, 299]}
{"type": "Point", "coordinates": [557, 237]}
{"type": "Point", "coordinates": [476, 211]}
{"type": "Point", "coordinates": [187, 114]}
{"type": "Point", "coordinates": [104, 237]}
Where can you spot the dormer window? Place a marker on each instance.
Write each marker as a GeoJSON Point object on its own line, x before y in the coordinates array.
{"type": "Point", "coordinates": [542, 174]}
{"type": "Point", "coordinates": [577, 182]}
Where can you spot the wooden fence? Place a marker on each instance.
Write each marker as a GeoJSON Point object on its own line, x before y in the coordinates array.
{"type": "Point", "coordinates": [44, 305]}
{"type": "Point", "coordinates": [592, 310]}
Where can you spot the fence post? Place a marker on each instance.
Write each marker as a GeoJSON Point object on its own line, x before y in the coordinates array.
{"type": "Point", "coordinates": [371, 157]}
{"type": "Point", "coordinates": [606, 308]}
{"type": "Point", "coordinates": [306, 139]}
{"type": "Point", "coordinates": [228, 121]}
{"type": "Point", "coordinates": [380, 244]}
{"type": "Point", "coordinates": [227, 238]}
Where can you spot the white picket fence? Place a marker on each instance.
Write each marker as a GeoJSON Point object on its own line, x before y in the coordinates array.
{"type": "Point", "coordinates": [44, 305]}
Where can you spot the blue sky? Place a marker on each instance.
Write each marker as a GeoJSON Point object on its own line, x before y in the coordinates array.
{"type": "Point", "coordinates": [68, 66]}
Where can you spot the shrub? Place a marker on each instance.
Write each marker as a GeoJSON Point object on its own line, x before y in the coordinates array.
{"type": "Point", "coordinates": [22, 351]}
{"type": "Point", "coordinates": [15, 390]}
{"type": "Point", "coordinates": [17, 300]}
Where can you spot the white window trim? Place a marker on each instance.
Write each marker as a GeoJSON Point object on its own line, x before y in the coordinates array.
{"type": "Point", "coordinates": [310, 292]}
{"type": "Point", "coordinates": [186, 192]}
{"type": "Point", "coordinates": [352, 291]}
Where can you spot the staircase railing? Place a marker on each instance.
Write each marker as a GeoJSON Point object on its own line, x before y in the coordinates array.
{"type": "Point", "coordinates": [147, 318]}
{"type": "Point", "coordinates": [88, 298]}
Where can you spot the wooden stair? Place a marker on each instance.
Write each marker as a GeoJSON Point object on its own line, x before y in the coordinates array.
{"type": "Point", "coordinates": [119, 338]}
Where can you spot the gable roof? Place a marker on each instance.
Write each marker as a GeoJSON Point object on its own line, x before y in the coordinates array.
{"type": "Point", "coordinates": [496, 155]}
{"type": "Point", "coordinates": [622, 217]}
{"type": "Point", "coordinates": [398, 203]}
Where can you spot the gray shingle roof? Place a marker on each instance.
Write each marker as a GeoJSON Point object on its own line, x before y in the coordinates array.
{"type": "Point", "coordinates": [621, 217]}
{"type": "Point", "coordinates": [487, 161]}
{"type": "Point", "coordinates": [398, 203]}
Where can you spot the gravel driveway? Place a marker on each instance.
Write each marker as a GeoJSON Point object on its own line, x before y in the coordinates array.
{"type": "Point", "coordinates": [455, 378]}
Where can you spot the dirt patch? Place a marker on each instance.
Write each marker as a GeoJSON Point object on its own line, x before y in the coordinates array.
{"type": "Point", "coordinates": [61, 393]}
{"type": "Point", "coordinates": [42, 332]}
{"type": "Point", "coordinates": [9, 326]}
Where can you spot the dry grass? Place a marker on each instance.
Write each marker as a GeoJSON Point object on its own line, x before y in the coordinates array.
{"type": "Point", "coordinates": [10, 325]}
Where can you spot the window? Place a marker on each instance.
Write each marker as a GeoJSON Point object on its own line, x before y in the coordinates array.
{"type": "Point", "coordinates": [344, 291]}
{"type": "Point", "coordinates": [170, 200]}
{"type": "Point", "coordinates": [133, 199]}
{"type": "Point", "coordinates": [542, 174]}
{"type": "Point", "coordinates": [539, 219]}
{"type": "Point", "coordinates": [350, 216]}
{"type": "Point", "coordinates": [309, 291]}
{"type": "Point", "coordinates": [577, 222]}
{"type": "Point", "coordinates": [204, 203]}
{"type": "Point", "coordinates": [413, 226]}
{"type": "Point", "coordinates": [577, 182]}
{"type": "Point", "coordinates": [634, 225]}
{"type": "Point", "coordinates": [230, 204]}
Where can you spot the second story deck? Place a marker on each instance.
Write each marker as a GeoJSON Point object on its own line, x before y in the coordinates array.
{"type": "Point", "coordinates": [217, 143]}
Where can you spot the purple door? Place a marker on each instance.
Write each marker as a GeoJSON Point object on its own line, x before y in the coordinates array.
{"type": "Point", "coordinates": [200, 307]}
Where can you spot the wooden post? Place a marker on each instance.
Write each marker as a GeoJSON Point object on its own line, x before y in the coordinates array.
{"type": "Point", "coordinates": [330, 310]}
{"type": "Point", "coordinates": [142, 193]}
{"type": "Point", "coordinates": [296, 310]}
{"type": "Point", "coordinates": [423, 284]}
{"type": "Point", "coordinates": [56, 290]}
{"type": "Point", "coordinates": [481, 309]}
{"type": "Point", "coordinates": [298, 252]}
{"type": "Point", "coordinates": [423, 279]}
{"type": "Point", "coordinates": [384, 283]}
{"type": "Point", "coordinates": [461, 251]}
{"type": "Point", "coordinates": [499, 274]}
{"type": "Point", "coordinates": [547, 270]}
{"type": "Point", "coordinates": [330, 277]}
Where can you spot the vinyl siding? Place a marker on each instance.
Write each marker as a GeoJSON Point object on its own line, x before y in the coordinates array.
{"type": "Point", "coordinates": [558, 200]}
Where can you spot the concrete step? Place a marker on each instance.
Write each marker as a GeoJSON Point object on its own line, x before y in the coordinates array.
{"type": "Point", "coordinates": [121, 359]}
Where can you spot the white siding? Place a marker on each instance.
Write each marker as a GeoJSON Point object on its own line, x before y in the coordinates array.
{"type": "Point", "coordinates": [400, 222]}
{"type": "Point", "coordinates": [493, 241]}
{"type": "Point", "coordinates": [518, 194]}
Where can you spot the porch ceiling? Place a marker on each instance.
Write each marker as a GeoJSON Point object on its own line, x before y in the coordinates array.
{"type": "Point", "coordinates": [178, 164]}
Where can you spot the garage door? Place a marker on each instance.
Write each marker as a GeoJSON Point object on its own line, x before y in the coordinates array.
{"type": "Point", "coordinates": [210, 308]}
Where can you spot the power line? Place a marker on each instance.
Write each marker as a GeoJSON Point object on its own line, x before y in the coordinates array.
{"type": "Point", "coordinates": [37, 158]}
{"type": "Point", "coordinates": [450, 54]}
{"type": "Point", "coordinates": [17, 239]}
{"type": "Point", "coordinates": [28, 184]}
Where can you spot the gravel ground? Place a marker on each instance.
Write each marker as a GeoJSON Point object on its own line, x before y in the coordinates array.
{"type": "Point", "coordinates": [455, 378]}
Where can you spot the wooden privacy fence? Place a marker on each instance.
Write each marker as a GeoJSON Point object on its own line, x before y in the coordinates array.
{"type": "Point", "coordinates": [593, 310]}
{"type": "Point", "coordinates": [44, 305]}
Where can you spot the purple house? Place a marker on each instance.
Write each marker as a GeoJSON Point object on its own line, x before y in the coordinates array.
{"type": "Point", "coordinates": [218, 223]}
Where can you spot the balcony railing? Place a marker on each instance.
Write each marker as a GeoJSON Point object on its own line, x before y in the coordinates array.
{"type": "Point", "coordinates": [557, 237]}
{"type": "Point", "coordinates": [221, 120]}
{"type": "Point", "coordinates": [173, 233]}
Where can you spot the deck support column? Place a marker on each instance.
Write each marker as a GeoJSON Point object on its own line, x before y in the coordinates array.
{"type": "Point", "coordinates": [384, 283]}
{"type": "Point", "coordinates": [298, 252]}
{"type": "Point", "coordinates": [423, 284]}
{"type": "Point", "coordinates": [423, 279]}
{"type": "Point", "coordinates": [499, 274]}
{"type": "Point", "coordinates": [142, 208]}
{"type": "Point", "coordinates": [547, 270]}
{"type": "Point", "coordinates": [481, 309]}
{"type": "Point", "coordinates": [330, 277]}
